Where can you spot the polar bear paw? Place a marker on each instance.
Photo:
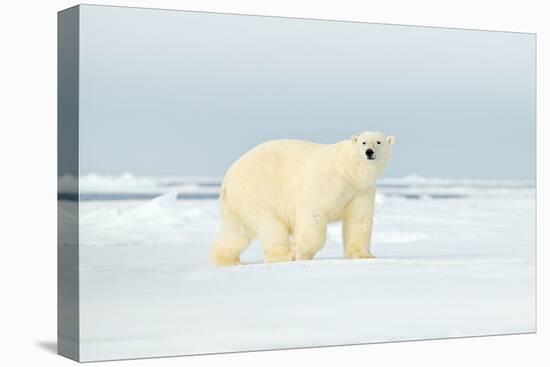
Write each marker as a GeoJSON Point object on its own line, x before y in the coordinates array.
{"type": "Point", "coordinates": [277, 254]}
{"type": "Point", "coordinates": [359, 254]}
{"type": "Point", "coordinates": [219, 259]}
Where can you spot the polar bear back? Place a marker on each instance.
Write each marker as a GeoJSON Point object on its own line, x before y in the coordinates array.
{"type": "Point", "coordinates": [278, 176]}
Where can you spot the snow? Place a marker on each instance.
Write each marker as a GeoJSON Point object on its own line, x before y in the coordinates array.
{"type": "Point", "coordinates": [447, 266]}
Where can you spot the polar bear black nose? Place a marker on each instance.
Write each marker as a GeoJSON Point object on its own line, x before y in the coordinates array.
{"type": "Point", "coordinates": [369, 153]}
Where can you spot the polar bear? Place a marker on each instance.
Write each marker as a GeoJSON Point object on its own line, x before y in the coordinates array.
{"type": "Point", "coordinates": [291, 189]}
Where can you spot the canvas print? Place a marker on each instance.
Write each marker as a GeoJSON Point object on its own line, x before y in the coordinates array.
{"type": "Point", "coordinates": [237, 183]}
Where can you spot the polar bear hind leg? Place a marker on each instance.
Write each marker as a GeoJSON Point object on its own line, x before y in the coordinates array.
{"type": "Point", "coordinates": [274, 236]}
{"type": "Point", "coordinates": [231, 241]}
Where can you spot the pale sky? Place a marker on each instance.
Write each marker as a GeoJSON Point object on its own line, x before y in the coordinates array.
{"type": "Point", "coordinates": [187, 93]}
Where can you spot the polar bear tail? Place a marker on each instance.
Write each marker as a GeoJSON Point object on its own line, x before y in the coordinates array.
{"type": "Point", "coordinates": [222, 191]}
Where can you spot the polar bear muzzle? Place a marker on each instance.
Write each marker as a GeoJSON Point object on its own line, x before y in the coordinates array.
{"type": "Point", "coordinates": [370, 154]}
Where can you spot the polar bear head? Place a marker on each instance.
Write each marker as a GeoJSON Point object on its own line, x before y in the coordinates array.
{"type": "Point", "coordinates": [373, 148]}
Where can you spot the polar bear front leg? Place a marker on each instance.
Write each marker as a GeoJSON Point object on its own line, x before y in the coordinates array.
{"type": "Point", "coordinates": [357, 227]}
{"type": "Point", "coordinates": [310, 234]}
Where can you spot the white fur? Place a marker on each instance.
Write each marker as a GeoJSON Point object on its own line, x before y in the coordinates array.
{"type": "Point", "coordinates": [289, 188]}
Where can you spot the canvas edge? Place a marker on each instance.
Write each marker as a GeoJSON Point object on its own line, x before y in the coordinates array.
{"type": "Point", "coordinates": [68, 305]}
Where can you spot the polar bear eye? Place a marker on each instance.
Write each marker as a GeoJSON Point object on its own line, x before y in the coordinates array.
{"type": "Point", "coordinates": [377, 142]}
{"type": "Point", "coordinates": [364, 142]}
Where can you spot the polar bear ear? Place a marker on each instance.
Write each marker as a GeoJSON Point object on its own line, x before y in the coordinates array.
{"type": "Point", "coordinates": [354, 139]}
{"type": "Point", "coordinates": [390, 140]}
